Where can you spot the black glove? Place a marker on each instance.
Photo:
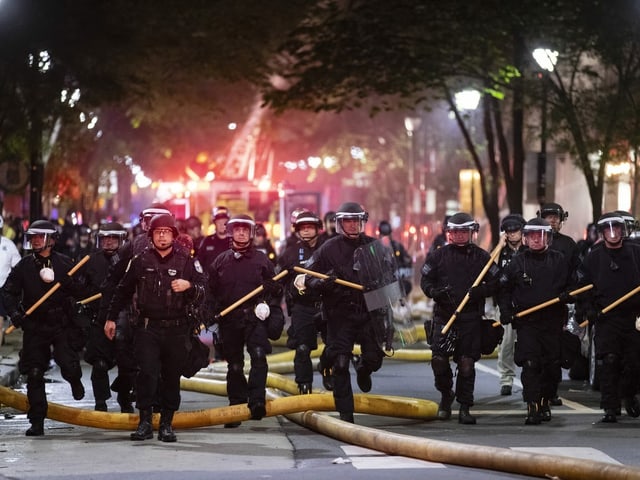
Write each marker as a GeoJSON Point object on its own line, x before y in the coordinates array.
{"type": "Point", "coordinates": [476, 293]}
{"type": "Point", "coordinates": [441, 294]}
{"type": "Point", "coordinates": [566, 297]}
{"type": "Point", "coordinates": [272, 287]}
{"type": "Point", "coordinates": [323, 285]}
{"type": "Point", "coordinates": [507, 318]}
{"type": "Point", "coordinates": [17, 318]}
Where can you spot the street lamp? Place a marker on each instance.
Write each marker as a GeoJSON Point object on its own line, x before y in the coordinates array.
{"type": "Point", "coordinates": [411, 125]}
{"type": "Point", "coordinates": [546, 60]}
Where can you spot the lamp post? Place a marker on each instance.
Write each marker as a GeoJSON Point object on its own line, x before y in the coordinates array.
{"type": "Point", "coordinates": [546, 60]}
{"type": "Point", "coordinates": [411, 125]}
{"type": "Point", "coordinates": [468, 101]}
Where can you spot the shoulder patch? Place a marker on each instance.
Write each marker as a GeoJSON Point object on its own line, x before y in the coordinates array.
{"type": "Point", "coordinates": [197, 265]}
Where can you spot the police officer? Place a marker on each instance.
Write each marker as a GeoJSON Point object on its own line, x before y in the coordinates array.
{"type": "Point", "coordinates": [613, 267]}
{"type": "Point", "coordinates": [123, 385]}
{"type": "Point", "coordinates": [447, 276]}
{"type": "Point", "coordinates": [216, 243]}
{"type": "Point", "coordinates": [232, 275]}
{"type": "Point", "coordinates": [100, 352]}
{"type": "Point", "coordinates": [532, 277]}
{"type": "Point", "coordinates": [47, 330]}
{"type": "Point", "coordinates": [262, 243]}
{"type": "Point", "coordinates": [512, 226]}
{"type": "Point", "coordinates": [166, 280]}
{"type": "Point", "coordinates": [9, 257]}
{"type": "Point", "coordinates": [403, 261]}
{"type": "Point", "coordinates": [555, 215]}
{"type": "Point", "coordinates": [329, 221]}
{"type": "Point", "coordinates": [193, 228]}
{"type": "Point", "coordinates": [345, 310]}
{"type": "Point", "coordinates": [304, 308]}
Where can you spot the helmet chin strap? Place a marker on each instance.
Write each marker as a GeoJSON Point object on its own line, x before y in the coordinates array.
{"type": "Point", "coordinates": [240, 247]}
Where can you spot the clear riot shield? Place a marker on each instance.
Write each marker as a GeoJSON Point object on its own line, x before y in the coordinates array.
{"type": "Point", "coordinates": [383, 294]}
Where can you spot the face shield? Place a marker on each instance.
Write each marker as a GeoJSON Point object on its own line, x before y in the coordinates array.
{"type": "Point", "coordinates": [612, 230]}
{"type": "Point", "coordinates": [110, 240]}
{"type": "Point", "coordinates": [537, 238]}
{"type": "Point", "coordinates": [350, 225]}
{"type": "Point", "coordinates": [36, 239]}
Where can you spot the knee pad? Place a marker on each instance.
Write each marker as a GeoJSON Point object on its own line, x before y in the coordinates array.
{"type": "Point", "coordinates": [532, 365]}
{"type": "Point", "coordinates": [258, 356]}
{"type": "Point", "coordinates": [35, 375]}
{"type": "Point", "coordinates": [236, 368]}
{"type": "Point", "coordinates": [303, 349]}
{"type": "Point", "coordinates": [440, 365]}
{"type": "Point", "coordinates": [341, 364]}
{"type": "Point", "coordinates": [100, 365]}
{"type": "Point", "coordinates": [611, 359]}
{"type": "Point", "coordinates": [466, 366]}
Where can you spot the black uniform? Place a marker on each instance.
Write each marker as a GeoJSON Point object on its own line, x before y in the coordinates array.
{"type": "Point", "coordinates": [210, 247]}
{"type": "Point", "coordinates": [305, 314]}
{"type": "Point", "coordinates": [101, 352]}
{"type": "Point", "coordinates": [614, 272]}
{"type": "Point", "coordinates": [530, 279]}
{"type": "Point", "coordinates": [232, 275]}
{"type": "Point", "coordinates": [162, 334]}
{"type": "Point", "coordinates": [348, 319]}
{"type": "Point", "coordinates": [457, 267]}
{"type": "Point", "coordinates": [47, 331]}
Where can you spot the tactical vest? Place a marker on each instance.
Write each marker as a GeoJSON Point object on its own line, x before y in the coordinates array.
{"type": "Point", "coordinates": [155, 296]}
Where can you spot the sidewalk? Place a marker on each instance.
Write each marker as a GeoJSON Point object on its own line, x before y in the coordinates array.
{"type": "Point", "coordinates": [9, 358]}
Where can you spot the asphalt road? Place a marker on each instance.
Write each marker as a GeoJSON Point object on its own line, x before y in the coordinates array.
{"type": "Point", "coordinates": [278, 447]}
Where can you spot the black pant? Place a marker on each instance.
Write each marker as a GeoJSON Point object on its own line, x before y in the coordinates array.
{"type": "Point", "coordinates": [303, 333]}
{"type": "Point", "coordinates": [344, 329]}
{"type": "Point", "coordinates": [161, 352]}
{"type": "Point", "coordinates": [38, 346]}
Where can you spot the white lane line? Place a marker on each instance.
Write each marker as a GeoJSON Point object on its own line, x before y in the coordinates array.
{"type": "Point", "coordinates": [492, 371]}
{"type": "Point", "coordinates": [367, 459]}
{"type": "Point", "coordinates": [574, 406]}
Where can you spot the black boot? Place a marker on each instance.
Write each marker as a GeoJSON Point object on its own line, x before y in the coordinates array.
{"type": "Point", "coordinates": [545, 410]}
{"type": "Point", "coordinates": [77, 390]}
{"type": "Point", "coordinates": [363, 374]}
{"type": "Point", "coordinates": [632, 406]}
{"type": "Point", "coordinates": [145, 428]}
{"type": "Point", "coordinates": [533, 414]}
{"type": "Point", "coordinates": [347, 417]}
{"type": "Point", "coordinates": [124, 400]}
{"type": "Point", "coordinates": [305, 388]}
{"type": "Point", "coordinates": [258, 410]}
{"type": "Point", "coordinates": [609, 416]}
{"type": "Point", "coordinates": [464, 417]}
{"type": "Point", "coordinates": [327, 377]}
{"type": "Point", "coordinates": [165, 432]}
{"type": "Point", "coordinates": [36, 429]}
{"type": "Point", "coordinates": [444, 407]}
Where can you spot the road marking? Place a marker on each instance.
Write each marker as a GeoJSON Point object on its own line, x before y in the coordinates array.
{"type": "Point", "coordinates": [575, 407]}
{"type": "Point", "coordinates": [367, 459]}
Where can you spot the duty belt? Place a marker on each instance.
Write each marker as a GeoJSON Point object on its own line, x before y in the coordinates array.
{"type": "Point", "coordinates": [173, 322]}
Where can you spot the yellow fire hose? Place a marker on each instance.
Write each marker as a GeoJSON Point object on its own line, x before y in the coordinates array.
{"type": "Point", "coordinates": [475, 456]}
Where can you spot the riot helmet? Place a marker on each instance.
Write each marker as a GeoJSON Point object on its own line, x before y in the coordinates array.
{"type": "Point", "coordinates": [110, 237]}
{"type": "Point", "coordinates": [537, 234]}
{"type": "Point", "coordinates": [305, 219]}
{"type": "Point", "coordinates": [242, 230]}
{"type": "Point", "coordinates": [554, 214]}
{"type": "Point", "coordinates": [613, 228]}
{"type": "Point", "coordinates": [329, 221]}
{"type": "Point", "coordinates": [631, 223]}
{"type": "Point", "coordinates": [163, 231]}
{"type": "Point", "coordinates": [220, 213]}
{"type": "Point", "coordinates": [148, 213]}
{"type": "Point", "coordinates": [40, 235]}
{"type": "Point", "coordinates": [350, 211]}
{"type": "Point", "coordinates": [512, 223]}
{"type": "Point", "coordinates": [461, 228]}
{"type": "Point", "coordinates": [384, 228]}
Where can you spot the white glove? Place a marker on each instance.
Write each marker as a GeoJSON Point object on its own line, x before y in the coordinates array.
{"type": "Point", "coordinates": [299, 283]}
{"type": "Point", "coordinates": [638, 323]}
{"type": "Point", "coordinates": [262, 311]}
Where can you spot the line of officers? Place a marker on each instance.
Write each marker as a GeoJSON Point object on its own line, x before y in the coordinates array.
{"type": "Point", "coordinates": [139, 304]}
{"type": "Point", "coordinates": [537, 266]}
